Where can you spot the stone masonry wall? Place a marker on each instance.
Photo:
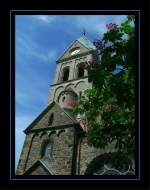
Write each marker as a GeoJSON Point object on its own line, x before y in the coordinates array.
{"type": "Point", "coordinates": [60, 118]}
{"type": "Point", "coordinates": [61, 160]}
{"type": "Point", "coordinates": [62, 156]}
{"type": "Point", "coordinates": [24, 153]}
{"type": "Point", "coordinates": [32, 145]}
{"type": "Point", "coordinates": [88, 153]}
{"type": "Point", "coordinates": [39, 171]}
{"type": "Point", "coordinates": [73, 65]}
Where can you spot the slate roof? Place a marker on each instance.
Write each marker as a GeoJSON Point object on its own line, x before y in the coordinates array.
{"type": "Point", "coordinates": [44, 164]}
{"type": "Point", "coordinates": [82, 40]}
{"type": "Point", "coordinates": [87, 43]}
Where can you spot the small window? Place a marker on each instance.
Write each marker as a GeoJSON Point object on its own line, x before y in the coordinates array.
{"type": "Point", "coordinates": [80, 93]}
{"type": "Point", "coordinates": [63, 99]}
{"type": "Point", "coordinates": [80, 72]}
{"type": "Point", "coordinates": [47, 150]}
{"type": "Point", "coordinates": [65, 74]}
{"type": "Point", "coordinates": [51, 119]}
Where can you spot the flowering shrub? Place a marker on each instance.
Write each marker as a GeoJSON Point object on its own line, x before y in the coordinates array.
{"type": "Point", "coordinates": [72, 103]}
{"type": "Point", "coordinates": [110, 107]}
{"type": "Point", "coordinates": [111, 26]}
{"type": "Point", "coordinates": [98, 44]}
{"type": "Point", "coordinates": [86, 64]}
{"type": "Point", "coordinates": [82, 122]}
{"type": "Point", "coordinates": [112, 94]}
{"type": "Point", "coordinates": [84, 139]}
{"type": "Point", "coordinates": [85, 125]}
{"type": "Point", "coordinates": [126, 131]}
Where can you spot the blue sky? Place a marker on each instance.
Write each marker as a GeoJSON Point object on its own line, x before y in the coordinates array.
{"type": "Point", "coordinates": [40, 41]}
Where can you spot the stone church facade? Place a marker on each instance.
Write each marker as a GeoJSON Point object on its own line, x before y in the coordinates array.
{"type": "Point", "coordinates": [54, 140]}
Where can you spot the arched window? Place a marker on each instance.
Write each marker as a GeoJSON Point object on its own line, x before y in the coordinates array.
{"type": "Point", "coordinates": [63, 98]}
{"type": "Point", "coordinates": [80, 72]}
{"type": "Point", "coordinates": [65, 74]}
{"type": "Point", "coordinates": [51, 119]}
{"type": "Point", "coordinates": [102, 165]}
{"type": "Point", "coordinates": [46, 151]}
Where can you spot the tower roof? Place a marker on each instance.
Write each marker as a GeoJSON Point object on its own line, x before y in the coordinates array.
{"type": "Point", "coordinates": [87, 43]}
{"type": "Point", "coordinates": [82, 42]}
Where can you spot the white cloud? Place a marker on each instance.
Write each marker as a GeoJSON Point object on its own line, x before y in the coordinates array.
{"type": "Point", "coordinates": [52, 55]}
{"type": "Point", "coordinates": [45, 18]}
{"type": "Point", "coordinates": [28, 47]}
{"type": "Point", "coordinates": [97, 23]}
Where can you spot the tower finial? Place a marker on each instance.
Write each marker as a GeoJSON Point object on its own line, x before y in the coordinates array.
{"type": "Point", "coordinates": [84, 32]}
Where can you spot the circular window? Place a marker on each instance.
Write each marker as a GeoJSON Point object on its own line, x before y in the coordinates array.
{"type": "Point", "coordinates": [108, 169]}
{"type": "Point", "coordinates": [102, 165]}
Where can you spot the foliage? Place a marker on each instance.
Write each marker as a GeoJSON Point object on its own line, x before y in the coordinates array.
{"type": "Point", "coordinates": [109, 107]}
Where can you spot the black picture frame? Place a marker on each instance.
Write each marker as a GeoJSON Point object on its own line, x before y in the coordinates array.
{"type": "Point", "coordinates": [8, 177]}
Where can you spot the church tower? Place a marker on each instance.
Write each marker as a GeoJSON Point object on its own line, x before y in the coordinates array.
{"type": "Point", "coordinates": [71, 79]}
{"type": "Point", "coordinates": [53, 143]}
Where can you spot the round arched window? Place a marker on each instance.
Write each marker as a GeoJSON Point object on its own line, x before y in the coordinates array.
{"type": "Point", "coordinates": [80, 72]}
{"type": "Point", "coordinates": [46, 151]}
{"type": "Point", "coordinates": [63, 99]}
{"type": "Point", "coordinates": [65, 74]}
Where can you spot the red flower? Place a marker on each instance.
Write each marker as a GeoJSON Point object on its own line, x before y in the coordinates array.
{"type": "Point", "coordinates": [111, 26]}
{"type": "Point", "coordinates": [82, 122]}
{"type": "Point", "coordinates": [84, 139]}
{"type": "Point", "coordinates": [86, 64]}
{"type": "Point", "coordinates": [86, 125]}
{"type": "Point", "coordinates": [110, 107]}
{"type": "Point", "coordinates": [98, 44]}
{"type": "Point", "coordinates": [72, 103]}
{"type": "Point", "coordinates": [83, 65]}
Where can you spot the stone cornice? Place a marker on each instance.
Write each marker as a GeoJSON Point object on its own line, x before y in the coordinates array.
{"type": "Point", "coordinates": [75, 56]}
{"type": "Point", "coordinates": [68, 81]}
{"type": "Point", "coordinates": [53, 128]}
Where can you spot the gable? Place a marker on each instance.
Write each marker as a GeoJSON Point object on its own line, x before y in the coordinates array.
{"type": "Point", "coordinates": [74, 45]}
{"type": "Point", "coordinates": [82, 43]}
{"type": "Point", "coordinates": [60, 117]}
{"type": "Point", "coordinates": [39, 168]}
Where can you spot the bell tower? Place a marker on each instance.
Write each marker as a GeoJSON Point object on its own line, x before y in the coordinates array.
{"type": "Point", "coordinates": [71, 79]}
{"type": "Point", "coordinates": [51, 146]}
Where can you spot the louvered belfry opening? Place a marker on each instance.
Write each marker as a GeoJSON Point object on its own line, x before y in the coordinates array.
{"type": "Point", "coordinates": [65, 74]}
